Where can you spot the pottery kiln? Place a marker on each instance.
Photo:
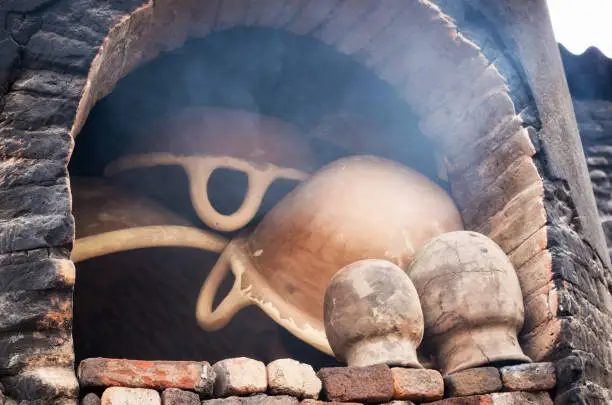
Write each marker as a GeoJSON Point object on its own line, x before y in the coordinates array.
{"type": "Point", "coordinates": [533, 203]}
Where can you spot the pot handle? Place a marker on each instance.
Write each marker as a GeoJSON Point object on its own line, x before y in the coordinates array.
{"type": "Point", "coordinates": [209, 319]}
{"type": "Point", "coordinates": [200, 168]}
{"type": "Point", "coordinates": [258, 184]}
{"type": "Point", "coordinates": [259, 180]}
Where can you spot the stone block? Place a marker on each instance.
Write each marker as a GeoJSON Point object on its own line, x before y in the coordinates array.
{"type": "Point", "coordinates": [373, 384]}
{"type": "Point", "coordinates": [582, 366]}
{"type": "Point", "coordinates": [311, 16]}
{"type": "Point", "coordinates": [290, 377]}
{"type": "Point", "coordinates": [51, 82]}
{"type": "Point", "coordinates": [544, 341]}
{"type": "Point", "coordinates": [483, 203]}
{"type": "Point", "coordinates": [35, 310]}
{"type": "Point", "coordinates": [50, 144]}
{"type": "Point", "coordinates": [36, 231]}
{"type": "Point", "coordinates": [48, 48]}
{"type": "Point", "coordinates": [478, 171]}
{"type": "Point", "coordinates": [19, 351]}
{"type": "Point", "coordinates": [44, 383]}
{"type": "Point", "coordinates": [502, 398]}
{"type": "Point", "coordinates": [259, 399]}
{"type": "Point", "coordinates": [519, 219]}
{"type": "Point", "coordinates": [529, 377]}
{"type": "Point", "coordinates": [541, 306]}
{"type": "Point", "coordinates": [37, 274]}
{"type": "Point", "coordinates": [417, 385]}
{"type": "Point", "coordinates": [396, 402]}
{"type": "Point", "coordinates": [130, 396]}
{"type": "Point", "coordinates": [100, 372]}
{"type": "Point", "coordinates": [317, 402]}
{"type": "Point", "coordinates": [27, 111]}
{"type": "Point", "coordinates": [21, 171]}
{"type": "Point", "coordinates": [35, 200]}
{"type": "Point", "coordinates": [344, 17]}
{"type": "Point", "coordinates": [262, 399]}
{"type": "Point", "coordinates": [481, 380]}
{"type": "Point", "coordinates": [366, 28]}
{"type": "Point", "coordinates": [240, 376]}
{"type": "Point", "coordinates": [223, 401]}
{"type": "Point", "coordinates": [175, 396]}
{"type": "Point", "coordinates": [91, 399]}
{"type": "Point", "coordinates": [536, 273]}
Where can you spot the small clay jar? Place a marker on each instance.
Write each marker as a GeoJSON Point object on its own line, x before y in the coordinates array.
{"type": "Point", "coordinates": [471, 299]}
{"type": "Point", "coordinates": [372, 315]}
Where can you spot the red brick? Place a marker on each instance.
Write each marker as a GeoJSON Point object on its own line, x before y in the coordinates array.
{"type": "Point", "coordinates": [372, 384]}
{"type": "Point", "coordinates": [159, 375]}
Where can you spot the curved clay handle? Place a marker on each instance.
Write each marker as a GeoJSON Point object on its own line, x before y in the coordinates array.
{"type": "Point", "coordinates": [199, 170]}
{"type": "Point", "coordinates": [145, 237]}
{"type": "Point", "coordinates": [234, 301]}
{"type": "Point", "coordinates": [259, 181]}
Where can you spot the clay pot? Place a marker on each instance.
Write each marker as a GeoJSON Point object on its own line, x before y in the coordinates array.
{"type": "Point", "coordinates": [471, 300]}
{"type": "Point", "coordinates": [373, 315]}
{"type": "Point", "coordinates": [202, 140]}
{"type": "Point", "coordinates": [354, 208]}
{"type": "Point", "coordinates": [109, 219]}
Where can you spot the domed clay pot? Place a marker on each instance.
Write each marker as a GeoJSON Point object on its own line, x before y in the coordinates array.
{"type": "Point", "coordinates": [109, 219]}
{"type": "Point", "coordinates": [202, 140]}
{"type": "Point", "coordinates": [355, 208]}
{"type": "Point", "coordinates": [471, 300]}
{"type": "Point", "coordinates": [373, 315]}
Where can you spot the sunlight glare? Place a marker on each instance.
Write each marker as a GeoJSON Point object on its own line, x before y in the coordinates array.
{"type": "Point", "coordinates": [579, 24]}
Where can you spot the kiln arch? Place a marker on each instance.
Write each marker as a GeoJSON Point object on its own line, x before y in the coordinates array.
{"type": "Point", "coordinates": [461, 100]}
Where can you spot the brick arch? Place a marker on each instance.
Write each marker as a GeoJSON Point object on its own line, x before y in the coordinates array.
{"type": "Point", "coordinates": [460, 98]}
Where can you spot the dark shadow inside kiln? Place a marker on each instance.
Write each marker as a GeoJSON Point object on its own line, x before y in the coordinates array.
{"type": "Point", "coordinates": [141, 303]}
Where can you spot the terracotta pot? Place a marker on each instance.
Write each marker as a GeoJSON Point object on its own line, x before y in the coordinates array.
{"type": "Point", "coordinates": [355, 208]}
{"type": "Point", "coordinates": [109, 220]}
{"type": "Point", "coordinates": [471, 300]}
{"type": "Point", "coordinates": [373, 315]}
{"type": "Point", "coordinates": [202, 140]}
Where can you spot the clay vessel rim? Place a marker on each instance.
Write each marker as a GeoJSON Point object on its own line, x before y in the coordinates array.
{"type": "Point", "coordinates": [255, 288]}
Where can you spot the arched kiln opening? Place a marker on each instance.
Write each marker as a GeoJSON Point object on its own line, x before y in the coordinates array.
{"type": "Point", "coordinates": [142, 302]}
{"type": "Point", "coordinates": [336, 71]}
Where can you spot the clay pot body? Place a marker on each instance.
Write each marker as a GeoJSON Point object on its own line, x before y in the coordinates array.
{"type": "Point", "coordinates": [202, 140]}
{"type": "Point", "coordinates": [109, 219]}
{"type": "Point", "coordinates": [373, 315]}
{"type": "Point", "coordinates": [352, 209]}
{"type": "Point", "coordinates": [471, 300]}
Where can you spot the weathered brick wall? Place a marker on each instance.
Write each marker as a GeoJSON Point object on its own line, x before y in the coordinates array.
{"type": "Point", "coordinates": [46, 48]}
{"type": "Point", "coordinates": [577, 329]}
{"type": "Point", "coordinates": [595, 122]}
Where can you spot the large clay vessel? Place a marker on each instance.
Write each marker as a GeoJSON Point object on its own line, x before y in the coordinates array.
{"type": "Point", "coordinates": [109, 219]}
{"type": "Point", "coordinates": [352, 209]}
{"type": "Point", "coordinates": [373, 315]}
{"type": "Point", "coordinates": [202, 140]}
{"type": "Point", "coordinates": [471, 300]}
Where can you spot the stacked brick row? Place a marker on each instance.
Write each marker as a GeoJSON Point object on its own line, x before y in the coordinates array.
{"type": "Point", "coordinates": [243, 381]}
